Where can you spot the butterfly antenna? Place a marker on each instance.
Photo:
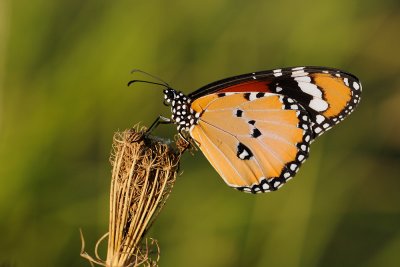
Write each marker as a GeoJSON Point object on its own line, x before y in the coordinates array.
{"type": "Point", "coordinates": [152, 76]}
{"type": "Point", "coordinates": [142, 81]}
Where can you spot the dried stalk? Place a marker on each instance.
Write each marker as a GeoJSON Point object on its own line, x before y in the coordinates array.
{"type": "Point", "coordinates": [144, 172]}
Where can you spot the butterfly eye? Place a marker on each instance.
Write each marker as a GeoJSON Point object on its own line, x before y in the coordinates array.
{"type": "Point", "coordinates": [169, 96]}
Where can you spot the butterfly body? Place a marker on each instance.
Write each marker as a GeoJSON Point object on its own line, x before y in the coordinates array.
{"type": "Point", "coordinates": [256, 128]}
{"type": "Point", "coordinates": [182, 113]}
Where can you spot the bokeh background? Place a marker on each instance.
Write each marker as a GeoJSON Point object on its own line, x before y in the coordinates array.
{"type": "Point", "coordinates": [64, 66]}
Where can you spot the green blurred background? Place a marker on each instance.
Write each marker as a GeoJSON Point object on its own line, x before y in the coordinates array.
{"type": "Point", "coordinates": [64, 66]}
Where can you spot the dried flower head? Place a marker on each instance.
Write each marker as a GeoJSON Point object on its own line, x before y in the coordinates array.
{"type": "Point", "coordinates": [144, 172]}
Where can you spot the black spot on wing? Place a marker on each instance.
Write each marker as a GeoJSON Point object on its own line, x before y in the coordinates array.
{"type": "Point", "coordinates": [239, 113]}
{"type": "Point", "coordinates": [243, 152]}
{"type": "Point", "coordinates": [256, 133]}
{"type": "Point", "coordinates": [259, 95]}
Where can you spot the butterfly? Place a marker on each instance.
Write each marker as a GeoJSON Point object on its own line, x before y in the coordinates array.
{"type": "Point", "coordinates": [256, 129]}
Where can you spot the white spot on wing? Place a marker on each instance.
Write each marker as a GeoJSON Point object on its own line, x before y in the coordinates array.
{"type": "Point", "coordinates": [299, 73]}
{"type": "Point", "coordinates": [303, 79]}
{"type": "Point", "coordinates": [243, 155]}
{"type": "Point", "coordinates": [252, 96]}
{"type": "Point", "coordinates": [277, 72]}
{"type": "Point", "coordinates": [320, 119]}
{"type": "Point", "coordinates": [310, 89]}
{"type": "Point", "coordinates": [318, 104]}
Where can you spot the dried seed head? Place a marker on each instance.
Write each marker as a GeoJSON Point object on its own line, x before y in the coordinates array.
{"type": "Point", "coordinates": [144, 172]}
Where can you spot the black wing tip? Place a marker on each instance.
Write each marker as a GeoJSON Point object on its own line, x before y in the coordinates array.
{"type": "Point", "coordinates": [331, 70]}
{"type": "Point", "coordinates": [223, 83]}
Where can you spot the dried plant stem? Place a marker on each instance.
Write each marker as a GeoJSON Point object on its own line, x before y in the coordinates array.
{"type": "Point", "coordinates": [144, 171]}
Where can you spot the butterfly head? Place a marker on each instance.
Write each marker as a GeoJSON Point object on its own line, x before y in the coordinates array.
{"type": "Point", "coordinates": [169, 96]}
{"type": "Point", "coordinates": [182, 114]}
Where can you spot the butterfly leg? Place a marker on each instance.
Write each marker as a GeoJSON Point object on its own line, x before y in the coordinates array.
{"type": "Point", "coordinates": [189, 140]}
{"type": "Point", "coordinates": [158, 121]}
{"type": "Point", "coordinates": [182, 135]}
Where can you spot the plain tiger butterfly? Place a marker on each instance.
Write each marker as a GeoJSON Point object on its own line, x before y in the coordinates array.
{"type": "Point", "coordinates": [256, 129]}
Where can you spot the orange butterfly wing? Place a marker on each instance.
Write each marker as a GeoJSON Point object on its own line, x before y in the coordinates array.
{"type": "Point", "coordinates": [329, 95]}
{"type": "Point", "coordinates": [255, 141]}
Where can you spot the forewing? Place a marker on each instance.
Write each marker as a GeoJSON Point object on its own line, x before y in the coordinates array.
{"type": "Point", "coordinates": [329, 95]}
